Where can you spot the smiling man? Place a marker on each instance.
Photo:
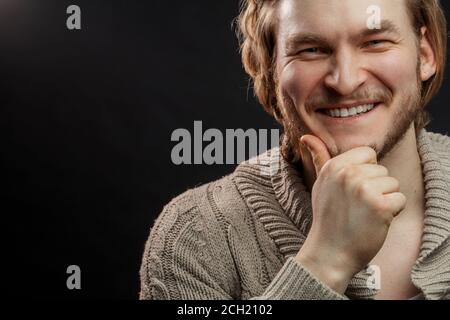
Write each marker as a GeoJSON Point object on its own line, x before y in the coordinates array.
{"type": "Point", "coordinates": [357, 202]}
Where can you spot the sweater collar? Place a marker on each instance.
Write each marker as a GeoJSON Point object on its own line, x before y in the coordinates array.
{"type": "Point", "coordinates": [436, 170]}
{"type": "Point", "coordinates": [295, 200]}
{"type": "Point", "coordinates": [437, 194]}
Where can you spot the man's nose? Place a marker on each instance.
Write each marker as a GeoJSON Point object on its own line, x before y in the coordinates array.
{"type": "Point", "coordinates": [345, 75]}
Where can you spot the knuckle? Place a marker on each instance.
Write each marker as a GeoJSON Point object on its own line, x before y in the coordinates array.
{"type": "Point", "coordinates": [367, 151]}
{"type": "Point", "coordinates": [396, 184]}
{"type": "Point", "coordinates": [393, 206]}
{"type": "Point", "coordinates": [381, 206]}
{"type": "Point", "coordinates": [371, 152]}
{"type": "Point", "coordinates": [402, 199]}
{"type": "Point", "coordinates": [363, 189]}
{"type": "Point", "coordinates": [352, 171]}
{"type": "Point", "coordinates": [330, 166]}
{"type": "Point", "coordinates": [384, 170]}
{"type": "Point", "coordinates": [346, 175]}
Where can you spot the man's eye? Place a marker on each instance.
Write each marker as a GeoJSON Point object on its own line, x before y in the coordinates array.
{"type": "Point", "coordinates": [311, 50]}
{"type": "Point", "coordinates": [376, 42]}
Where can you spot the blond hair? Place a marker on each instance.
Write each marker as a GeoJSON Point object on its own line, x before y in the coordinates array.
{"type": "Point", "coordinates": [256, 25]}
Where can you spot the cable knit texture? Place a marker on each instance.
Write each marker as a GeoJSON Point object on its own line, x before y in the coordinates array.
{"type": "Point", "coordinates": [235, 238]}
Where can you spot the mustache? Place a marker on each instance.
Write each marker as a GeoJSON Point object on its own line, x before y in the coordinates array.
{"type": "Point", "coordinates": [379, 94]}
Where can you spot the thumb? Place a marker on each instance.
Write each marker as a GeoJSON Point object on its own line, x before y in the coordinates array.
{"type": "Point", "coordinates": [317, 149]}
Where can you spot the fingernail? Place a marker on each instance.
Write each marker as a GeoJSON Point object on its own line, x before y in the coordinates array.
{"type": "Point", "coordinates": [305, 145]}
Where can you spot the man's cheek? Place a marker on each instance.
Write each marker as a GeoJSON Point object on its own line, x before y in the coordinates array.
{"type": "Point", "coordinates": [296, 83]}
{"type": "Point", "coordinates": [394, 71]}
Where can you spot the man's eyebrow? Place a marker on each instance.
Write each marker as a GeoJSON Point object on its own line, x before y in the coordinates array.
{"type": "Point", "coordinates": [386, 26]}
{"type": "Point", "coordinates": [302, 38]}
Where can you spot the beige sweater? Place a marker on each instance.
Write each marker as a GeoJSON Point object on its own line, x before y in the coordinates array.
{"type": "Point", "coordinates": [235, 238]}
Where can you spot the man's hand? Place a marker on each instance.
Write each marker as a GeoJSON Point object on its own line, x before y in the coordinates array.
{"type": "Point", "coordinates": [354, 201]}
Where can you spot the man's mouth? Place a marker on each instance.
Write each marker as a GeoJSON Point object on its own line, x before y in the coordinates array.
{"type": "Point", "coordinates": [349, 112]}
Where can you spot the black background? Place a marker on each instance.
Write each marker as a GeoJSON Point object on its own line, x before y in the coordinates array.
{"type": "Point", "coordinates": [86, 119]}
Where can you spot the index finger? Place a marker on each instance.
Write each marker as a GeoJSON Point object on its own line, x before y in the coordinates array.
{"type": "Point", "coordinates": [359, 155]}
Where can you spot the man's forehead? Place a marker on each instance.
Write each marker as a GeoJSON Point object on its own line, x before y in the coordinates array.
{"type": "Point", "coordinates": [324, 15]}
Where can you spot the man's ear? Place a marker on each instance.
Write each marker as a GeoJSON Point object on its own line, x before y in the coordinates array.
{"type": "Point", "coordinates": [427, 56]}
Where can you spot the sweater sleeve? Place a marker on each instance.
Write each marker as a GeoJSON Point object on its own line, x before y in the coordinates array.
{"type": "Point", "coordinates": [186, 258]}
{"type": "Point", "coordinates": [182, 259]}
{"type": "Point", "coordinates": [294, 282]}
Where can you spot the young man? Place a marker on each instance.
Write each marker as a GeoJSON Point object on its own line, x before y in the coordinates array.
{"type": "Point", "coordinates": [357, 202]}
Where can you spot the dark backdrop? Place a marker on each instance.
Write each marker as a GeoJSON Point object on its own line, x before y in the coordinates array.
{"type": "Point", "coordinates": [86, 119]}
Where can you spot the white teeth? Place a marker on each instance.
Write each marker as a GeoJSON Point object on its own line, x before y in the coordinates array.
{"type": "Point", "coordinates": [352, 111]}
{"type": "Point", "coordinates": [349, 112]}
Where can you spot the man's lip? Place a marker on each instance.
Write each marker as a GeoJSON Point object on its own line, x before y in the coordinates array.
{"type": "Point", "coordinates": [347, 105]}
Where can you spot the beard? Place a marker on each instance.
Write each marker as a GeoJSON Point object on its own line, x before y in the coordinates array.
{"type": "Point", "coordinates": [406, 113]}
{"type": "Point", "coordinates": [403, 119]}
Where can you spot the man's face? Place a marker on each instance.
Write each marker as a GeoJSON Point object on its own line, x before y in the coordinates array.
{"type": "Point", "coordinates": [330, 64]}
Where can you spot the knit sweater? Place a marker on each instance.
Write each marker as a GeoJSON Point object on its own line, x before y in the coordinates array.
{"type": "Point", "coordinates": [236, 238]}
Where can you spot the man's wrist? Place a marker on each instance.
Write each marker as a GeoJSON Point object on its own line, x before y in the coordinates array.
{"type": "Point", "coordinates": [330, 273]}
